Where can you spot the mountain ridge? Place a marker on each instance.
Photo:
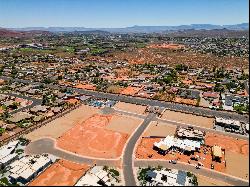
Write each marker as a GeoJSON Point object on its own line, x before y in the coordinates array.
{"type": "Point", "coordinates": [139, 29]}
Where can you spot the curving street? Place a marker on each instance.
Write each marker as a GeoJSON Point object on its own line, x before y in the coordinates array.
{"type": "Point", "coordinates": [47, 145]}
{"type": "Point", "coordinates": [129, 149]}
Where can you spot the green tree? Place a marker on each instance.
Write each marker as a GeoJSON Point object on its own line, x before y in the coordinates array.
{"type": "Point", "coordinates": [105, 168]}
{"type": "Point", "coordinates": [2, 130]}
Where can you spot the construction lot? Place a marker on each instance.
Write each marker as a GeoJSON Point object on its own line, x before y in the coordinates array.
{"type": "Point", "coordinates": [133, 108]}
{"type": "Point", "coordinates": [91, 138]}
{"type": "Point", "coordinates": [145, 151]}
{"type": "Point", "coordinates": [188, 119]}
{"type": "Point", "coordinates": [234, 160]}
{"type": "Point", "coordinates": [228, 143]}
{"type": "Point", "coordinates": [61, 173]}
{"type": "Point", "coordinates": [60, 125]}
{"type": "Point", "coordinates": [237, 154]}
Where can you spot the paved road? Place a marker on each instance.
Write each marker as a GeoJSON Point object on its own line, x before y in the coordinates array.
{"type": "Point", "coordinates": [173, 106]}
{"type": "Point", "coordinates": [130, 114]}
{"type": "Point", "coordinates": [191, 168]}
{"type": "Point", "coordinates": [129, 149]}
{"type": "Point", "coordinates": [144, 101]}
{"type": "Point", "coordinates": [34, 102]}
{"type": "Point", "coordinates": [47, 145]}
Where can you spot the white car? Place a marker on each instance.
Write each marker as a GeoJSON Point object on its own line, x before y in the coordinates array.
{"type": "Point", "coordinates": [197, 167]}
{"type": "Point", "coordinates": [173, 161]}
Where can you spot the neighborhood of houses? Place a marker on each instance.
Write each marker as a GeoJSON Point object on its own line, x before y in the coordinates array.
{"type": "Point", "coordinates": [94, 97]}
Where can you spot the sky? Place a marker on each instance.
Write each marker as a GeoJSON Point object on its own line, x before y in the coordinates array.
{"type": "Point", "coordinates": [120, 13]}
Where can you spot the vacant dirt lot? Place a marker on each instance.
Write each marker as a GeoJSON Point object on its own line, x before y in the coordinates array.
{"type": "Point", "coordinates": [131, 90]}
{"type": "Point", "coordinates": [159, 129]}
{"type": "Point", "coordinates": [61, 173]}
{"type": "Point", "coordinates": [188, 119]}
{"type": "Point", "coordinates": [90, 138]}
{"type": "Point", "coordinates": [206, 181]}
{"type": "Point", "coordinates": [138, 109]}
{"type": "Point", "coordinates": [123, 124]}
{"type": "Point", "coordinates": [85, 86]}
{"type": "Point", "coordinates": [166, 46]}
{"type": "Point", "coordinates": [186, 101]}
{"type": "Point", "coordinates": [237, 164]}
{"type": "Point", "coordinates": [57, 127]}
{"type": "Point", "coordinates": [228, 143]}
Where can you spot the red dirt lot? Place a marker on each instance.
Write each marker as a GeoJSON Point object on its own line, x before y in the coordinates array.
{"type": "Point", "coordinates": [61, 173]}
{"type": "Point", "coordinates": [166, 46]}
{"type": "Point", "coordinates": [72, 101]}
{"type": "Point", "coordinates": [85, 86]}
{"type": "Point", "coordinates": [145, 151]}
{"type": "Point", "coordinates": [92, 139]}
{"type": "Point", "coordinates": [228, 143]}
{"type": "Point", "coordinates": [130, 90]}
{"type": "Point", "coordinates": [186, 101]}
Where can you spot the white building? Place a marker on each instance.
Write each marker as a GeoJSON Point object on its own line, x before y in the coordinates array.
{"type": "Point", "coordinates": [8, 153]}
{"type": "Point", "coordinates": [171, 142]}
{"type": "Point", "coordinates": [95, 177]}
{"type": "Point", "coordinates": [28, 167]}
{"type": "Point", "coordinates": [227, 123]}
{"type": "Point", "coordinates": [167, 178]}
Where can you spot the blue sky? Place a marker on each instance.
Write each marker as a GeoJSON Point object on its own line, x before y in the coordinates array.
{"type": "Point", "coordinates": [120, 13]}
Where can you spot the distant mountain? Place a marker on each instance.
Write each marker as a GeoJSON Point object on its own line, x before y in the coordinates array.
{"type": "Point", "coordinates": [242, 26]}
{"type": "Point", "coordinates": [15, 33]}
{"type": "Point", "coordinates": [9, 33]}
{"type": "Point", "coordinates": [92, 32]}
{"type": "Point", "coordinates": [209, 33]}
{"type": "Point", "coordinates": [51, 29]}
{"type": "Point", "coordinates": [141, 29]}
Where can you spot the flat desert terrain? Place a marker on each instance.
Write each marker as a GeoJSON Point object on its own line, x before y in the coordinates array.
{"type": "Point", "coordinates": [61, 173]}
{"type": "Point", "coordinates": [133, 108]}
{"type": "Point", "coordinates": [188, 119]}
{"type": "Point", "coordinates": [91, 138]}
{"type": "Point", "coordinates": [206, 181]}
{"type": "Point", "coordinates": [60, 125]}
{"type": "Point", "coordinates": [159, 129]}
{"type": "Point", "coordinates": [237, 164]}
{"type": "Point", "coordinates": [131, 90]}
{"type": "Point", "coordinates": [123, 124]}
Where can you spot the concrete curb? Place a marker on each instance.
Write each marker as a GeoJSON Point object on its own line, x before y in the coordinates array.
{"type": "Point", "coordinates": [183, 163]}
